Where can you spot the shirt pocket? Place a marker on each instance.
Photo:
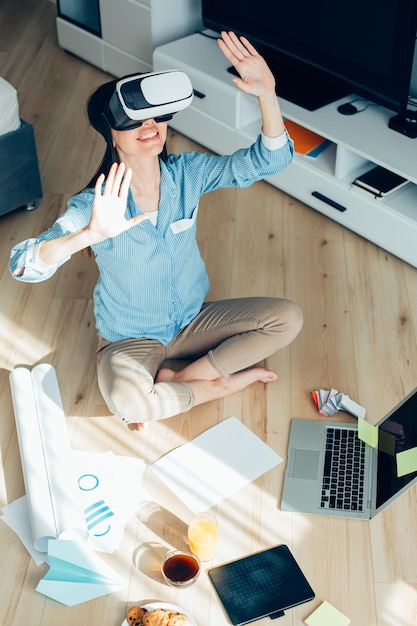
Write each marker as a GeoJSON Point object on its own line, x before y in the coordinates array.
{"type": "Point", "coordinates": [182, 225]}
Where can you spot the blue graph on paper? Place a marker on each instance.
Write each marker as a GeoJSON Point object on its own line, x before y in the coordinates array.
{"type": "Point", "coordinates": [97, 512]}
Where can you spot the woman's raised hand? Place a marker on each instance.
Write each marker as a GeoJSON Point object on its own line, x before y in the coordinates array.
{"type": "Point", "coordinates": [255, 76]}
{"type": "Point", "coordinates": [109, 207]}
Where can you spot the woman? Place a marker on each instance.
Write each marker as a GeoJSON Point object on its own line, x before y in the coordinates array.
{"type": "Point", "coordinates": [138, 215]}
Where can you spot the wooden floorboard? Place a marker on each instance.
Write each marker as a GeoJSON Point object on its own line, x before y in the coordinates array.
{"type": "Point", "coordinates": [359, 336]}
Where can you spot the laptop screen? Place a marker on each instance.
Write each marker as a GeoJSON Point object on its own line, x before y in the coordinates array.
{"type": "Point", "coordinates": [397, 433]}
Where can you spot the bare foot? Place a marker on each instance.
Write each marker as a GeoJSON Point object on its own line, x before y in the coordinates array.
{"type": "Point", "coordinates": [205, 390]}
{"type": "Point", "coordinates": [252, 374]}
{"type": "Point", "coordinates": [136, 425]}
{"type": "Point", "coordinates": [225, 386]}
{"type": "Point", "coordinates": [244, 378]}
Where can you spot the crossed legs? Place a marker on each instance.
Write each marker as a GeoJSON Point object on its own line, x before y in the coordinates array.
{"type": "Point", "coordinates": [223, 342]}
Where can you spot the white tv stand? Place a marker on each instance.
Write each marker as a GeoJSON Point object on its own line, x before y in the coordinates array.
{"type": "Point", "coordinates": [222, 118]}
{"type": "Point", "coordinates": [130, 30]}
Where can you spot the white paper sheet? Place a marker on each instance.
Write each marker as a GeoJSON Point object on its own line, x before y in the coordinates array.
{"type": "Point", "coordinates": [109, 492]}
{"type": "Point", "coordinates": [45, 450]}
{"type": "Point", "coordinates": [16, 516]}
{"type": "Point", "coordinates": [215, 464]}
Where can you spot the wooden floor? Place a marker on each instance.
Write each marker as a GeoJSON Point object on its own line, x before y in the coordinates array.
{"type": "Point", "coordinates": [359, 336]}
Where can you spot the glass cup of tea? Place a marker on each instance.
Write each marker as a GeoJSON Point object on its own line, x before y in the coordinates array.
{"type": "Point", "coordinates": [180, 568]}
{"type": "Point", "coordinates": [203, 535]}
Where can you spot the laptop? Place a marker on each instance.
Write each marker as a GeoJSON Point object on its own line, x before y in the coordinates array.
{"type": "Point", "coordinates": [321, 477]}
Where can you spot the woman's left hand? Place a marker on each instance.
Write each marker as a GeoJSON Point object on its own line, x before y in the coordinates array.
{"type": "Point", "coordinates": [255, 76]}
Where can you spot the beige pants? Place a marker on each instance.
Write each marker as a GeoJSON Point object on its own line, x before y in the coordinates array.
{"type": "Point", "coordinates": [235, 334]}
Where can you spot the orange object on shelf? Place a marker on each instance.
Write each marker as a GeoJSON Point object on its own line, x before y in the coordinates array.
{"type": "Point", "coordinates": [305, 140]}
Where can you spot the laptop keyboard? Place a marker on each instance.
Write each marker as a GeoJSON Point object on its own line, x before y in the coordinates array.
{"type": "Point", "coordinates": [343, 476]}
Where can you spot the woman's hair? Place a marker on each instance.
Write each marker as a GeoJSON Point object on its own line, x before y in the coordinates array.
{"type": "Point", "coordinates": [96, 107]}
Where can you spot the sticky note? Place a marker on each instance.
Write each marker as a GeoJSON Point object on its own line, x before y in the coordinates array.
{"type": "Point", "coordinates": [330, 402]}
{"type": "Point", "coordinates": [406, 462]}
{"type": "Point", "coordinates": [315, 398]}
{"type": "Point", "coordinates": [368, 433]}
{"type": "Point", "coordinates": [349, 405]}
{"type": "Point", "coordinates": [327, 615]}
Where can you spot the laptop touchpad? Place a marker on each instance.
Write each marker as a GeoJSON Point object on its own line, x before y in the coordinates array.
{"type": "Point", "coordinates": [306, 464]}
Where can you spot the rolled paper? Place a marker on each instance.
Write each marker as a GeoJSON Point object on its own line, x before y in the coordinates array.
{"type": "Point", "coordinates": [48, 468]}
{"type": "Point", "coordinates": [41, 514]}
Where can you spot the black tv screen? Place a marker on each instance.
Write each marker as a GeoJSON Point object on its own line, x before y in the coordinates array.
{"type": "Point", "coordinates": [320, 50]}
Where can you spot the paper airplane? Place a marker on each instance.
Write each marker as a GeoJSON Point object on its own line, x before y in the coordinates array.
{"type": "Point", "coordinates": [77, 574]}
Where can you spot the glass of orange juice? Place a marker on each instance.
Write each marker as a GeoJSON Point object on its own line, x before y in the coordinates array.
{"type": "Point", "coordinates": [203, 535]}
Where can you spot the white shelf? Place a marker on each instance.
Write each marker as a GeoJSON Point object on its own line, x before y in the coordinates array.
{"type": "Point", "coordinates": [226, 119]}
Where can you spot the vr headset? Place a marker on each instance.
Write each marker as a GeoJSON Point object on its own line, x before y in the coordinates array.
{"type": "Point", "coordinates": [157, 95]}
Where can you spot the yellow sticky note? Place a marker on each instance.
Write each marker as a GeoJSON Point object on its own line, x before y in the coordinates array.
{"type": "Point", "coordinates": [327, 615]}
{"type": "Point", "coordinates": [406, 462]}
{"type": "Point", "coordinates": [368, 433]}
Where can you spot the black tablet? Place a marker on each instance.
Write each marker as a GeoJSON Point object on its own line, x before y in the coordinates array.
{"type": "Point", "coordinates": [260, 585]}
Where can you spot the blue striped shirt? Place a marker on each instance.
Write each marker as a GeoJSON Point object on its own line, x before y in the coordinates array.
{"type": "Point", "coordinates": [152, 280]}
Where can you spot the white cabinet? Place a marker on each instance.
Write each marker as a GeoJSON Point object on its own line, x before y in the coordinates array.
{"type": "Point", "coordinates": [130, 30]}
{"type": "Point", "coordinates": [222, 118]}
